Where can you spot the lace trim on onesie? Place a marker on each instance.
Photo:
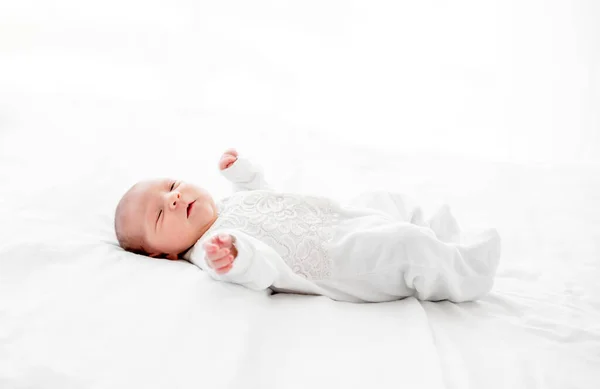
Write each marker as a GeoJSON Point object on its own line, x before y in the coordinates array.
{"type": "Point", "coordinates": [297, 227]}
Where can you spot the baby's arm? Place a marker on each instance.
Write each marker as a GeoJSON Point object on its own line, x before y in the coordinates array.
{"type": "Point", "coordinates": [242, 173]}
{"type": "Point", "coordinates": [235, 257]}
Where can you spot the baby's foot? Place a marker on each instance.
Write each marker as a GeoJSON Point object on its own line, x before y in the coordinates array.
{"type": "Point", "coordinates": [445, 226]}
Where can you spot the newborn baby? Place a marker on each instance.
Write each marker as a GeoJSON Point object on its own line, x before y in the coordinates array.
{"type": "Point", "coordinates": [377, 248]}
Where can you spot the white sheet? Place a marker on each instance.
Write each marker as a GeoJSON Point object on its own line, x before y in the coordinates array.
{"type": "Point", "coordinates": [96, 96]}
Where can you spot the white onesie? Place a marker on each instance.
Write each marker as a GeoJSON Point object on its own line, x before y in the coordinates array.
{"type": "Point", "coordinates": [378, 248]}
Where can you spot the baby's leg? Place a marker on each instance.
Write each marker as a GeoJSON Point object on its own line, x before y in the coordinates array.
{"type": "Point", "coordinates": [404, 209]}
{"type": "Point", "coordinates": [397, 260]}
{"type": "Point", "coordinates": [398, 206]}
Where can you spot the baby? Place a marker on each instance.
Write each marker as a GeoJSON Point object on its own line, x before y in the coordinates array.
{"type": "Point", "coordinates": [377, 248]}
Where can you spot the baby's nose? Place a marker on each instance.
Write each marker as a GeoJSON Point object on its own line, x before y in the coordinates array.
{"type": "Point", "coordinates": [173, 198]}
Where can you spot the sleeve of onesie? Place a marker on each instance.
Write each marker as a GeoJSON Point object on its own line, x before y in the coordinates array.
{"type": "Point", "coordinates": [253, 267]}
{"type": "Point", "coordinates": [244, 175]}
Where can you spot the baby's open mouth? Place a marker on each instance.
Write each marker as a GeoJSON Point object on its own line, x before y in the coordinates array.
{"type": "Point", "coordinates": [189, 208]}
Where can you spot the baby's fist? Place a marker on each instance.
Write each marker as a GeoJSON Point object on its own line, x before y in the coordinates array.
{"type": "Point", "coordinates": [227, 159]}
{"type": "Point", "coordinates": [220, 253]}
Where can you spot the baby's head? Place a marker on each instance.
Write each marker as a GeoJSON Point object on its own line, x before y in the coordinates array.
{"type": "Point", "coordinates": [163, 217]}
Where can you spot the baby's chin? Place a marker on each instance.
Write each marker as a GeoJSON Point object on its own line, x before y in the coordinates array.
{"type": "Point", "coordinates": [203, 213]}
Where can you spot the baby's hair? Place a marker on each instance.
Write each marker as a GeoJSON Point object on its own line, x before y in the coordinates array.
{"type": "Point", "coordinates": [128, 240]}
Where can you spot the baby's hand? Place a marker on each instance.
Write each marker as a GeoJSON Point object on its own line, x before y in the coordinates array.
{"type": "Point", "coordinates": [227, 159]}
{"type": "Point", "coordinates": [220, 253]}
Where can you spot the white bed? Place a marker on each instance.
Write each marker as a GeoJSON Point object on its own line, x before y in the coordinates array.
{"type": "Point", "coordinates": [94, 97]}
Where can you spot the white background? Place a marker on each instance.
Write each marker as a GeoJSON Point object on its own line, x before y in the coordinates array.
{"type": "Point", "coordinates": [504, 80]}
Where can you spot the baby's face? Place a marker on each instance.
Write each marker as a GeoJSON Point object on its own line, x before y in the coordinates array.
{"type": "Point", "coordinates": [172, 215]}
